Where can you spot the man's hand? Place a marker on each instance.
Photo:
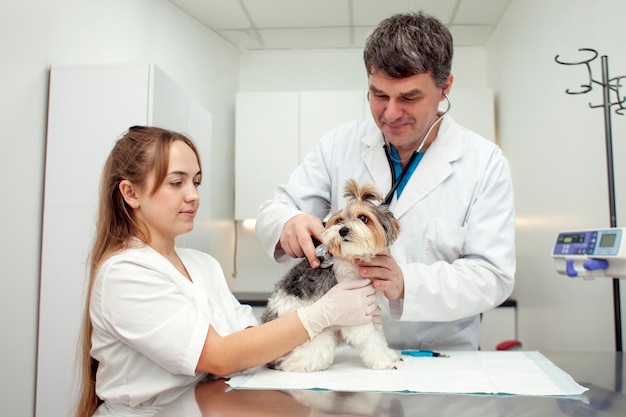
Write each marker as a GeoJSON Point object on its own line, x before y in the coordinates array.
{"type": "Point", "coordinates": [297, 237]}
{"type": "Point", "coordinates": [385, 273]}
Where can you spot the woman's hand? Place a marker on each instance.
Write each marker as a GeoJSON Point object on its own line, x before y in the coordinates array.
{"type": "Point", "coordinates": [348, 303]}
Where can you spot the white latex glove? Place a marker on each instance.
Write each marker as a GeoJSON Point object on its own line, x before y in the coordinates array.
{"type": "Point", "coordinates": [348, 303]}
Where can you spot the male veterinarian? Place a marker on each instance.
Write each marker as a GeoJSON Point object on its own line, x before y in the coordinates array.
{"type": "Point", "coordinates": [450, 189]}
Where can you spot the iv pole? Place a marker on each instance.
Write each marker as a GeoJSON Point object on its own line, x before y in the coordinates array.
{"type": "Point", "coordinates": [607, 87]}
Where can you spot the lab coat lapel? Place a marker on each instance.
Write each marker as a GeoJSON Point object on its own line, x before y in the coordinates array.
{"type": "Point", "coordinates": [433, 169]}
{"type": "Point", "coordinates": [376, 162]}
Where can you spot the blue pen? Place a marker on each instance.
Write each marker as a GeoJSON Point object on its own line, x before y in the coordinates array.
{"type": "Point", "coordinates": [424, 352]}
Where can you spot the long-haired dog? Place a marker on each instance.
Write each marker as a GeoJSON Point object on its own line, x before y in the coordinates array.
{"type": "Point", "coordinates": [359, 231]}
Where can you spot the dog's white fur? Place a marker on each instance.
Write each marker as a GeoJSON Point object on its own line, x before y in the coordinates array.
{"type": "Point", "coordinates": [359, 231]}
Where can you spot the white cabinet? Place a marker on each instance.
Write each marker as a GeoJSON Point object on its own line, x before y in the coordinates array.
{"type": "Point", "coordinates": [274, 131]}
{"type": "Point", "coordinates": [498, 325]}
{"type": "Point", "coordinates": [266, 147]}
{"type": "Point", "coordinates": [89, 108]}
{"type": "Point", "coordinates": [321, 111]}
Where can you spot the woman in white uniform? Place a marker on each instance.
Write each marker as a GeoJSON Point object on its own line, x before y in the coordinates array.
{"type": "Point", "coordinates": [160, 318]}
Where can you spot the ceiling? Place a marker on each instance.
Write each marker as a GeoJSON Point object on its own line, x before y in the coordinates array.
{"type": "Point", "coordinates": [252, 25]}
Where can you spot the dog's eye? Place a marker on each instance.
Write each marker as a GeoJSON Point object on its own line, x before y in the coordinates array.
{"type": "Point", "coordinates": [363, 218]}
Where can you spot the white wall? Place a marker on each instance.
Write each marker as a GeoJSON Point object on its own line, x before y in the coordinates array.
{"type": "Point", "coordinates": [337, 70]}
{"type": "Point", "coordinates": [37, 34]}
{"type": "Point", "coordinates": [553, 140]}
{"type": "Point", "coordinates": [316, 71]}
{"type": "Point", "coordinates": [555, 143]}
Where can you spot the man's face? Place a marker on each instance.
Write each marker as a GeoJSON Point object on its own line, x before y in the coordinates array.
{"type": "Point", "coordinates": [404, 108]}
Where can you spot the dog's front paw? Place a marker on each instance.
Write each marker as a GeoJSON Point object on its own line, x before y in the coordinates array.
{"type": "Point", "coordinates": [297, 362]}
{"type": "Point", "coordinates": [384, 359]}
{"type": "Point", "coordinates": [394, 355]}
{"type": "Point", "coordinates": [315, 355]}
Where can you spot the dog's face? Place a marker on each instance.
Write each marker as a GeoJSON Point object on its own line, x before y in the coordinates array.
{"type": "Point", "coordinates": [362, 229]}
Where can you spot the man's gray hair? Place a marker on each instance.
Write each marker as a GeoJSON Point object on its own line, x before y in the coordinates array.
{"type": "Point", "coordinates": [408, 44]}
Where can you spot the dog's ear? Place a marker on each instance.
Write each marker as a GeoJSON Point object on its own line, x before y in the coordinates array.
{"type": "Point", "coordinates": [390, 224]}
{"type": "Point", "coordinates": [368, 192]}
{"type": "Point", "coordinates": [351, 190]}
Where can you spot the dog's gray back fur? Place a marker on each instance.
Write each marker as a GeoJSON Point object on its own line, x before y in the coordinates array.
{"type": "Point", "coordinates": [302, 282]}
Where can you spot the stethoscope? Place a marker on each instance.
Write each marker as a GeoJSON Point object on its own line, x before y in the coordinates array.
{"type": "Point", "coordinates": [387, 149]}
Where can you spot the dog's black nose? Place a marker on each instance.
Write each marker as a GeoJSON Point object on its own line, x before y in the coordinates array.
{"type": "Point", "coordinates": [344, 231]}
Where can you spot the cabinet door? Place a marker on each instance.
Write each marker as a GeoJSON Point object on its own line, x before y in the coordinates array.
{"type": "Point", "coordinates": [266, 147]}
{"type": "Point", "coordinates": [322, 111]}
{"type": "Point", "coordinates": [88, 109]}
{"type": "Point", "coordinates": [199, 125]}
{"type": "Point", "coordinates": [168, 102]}
{"type": "Point", "coordinates": [498, 325]}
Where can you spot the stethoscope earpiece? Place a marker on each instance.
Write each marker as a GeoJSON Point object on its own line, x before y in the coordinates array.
{"type": "Point", "coordinates": [449, 104]}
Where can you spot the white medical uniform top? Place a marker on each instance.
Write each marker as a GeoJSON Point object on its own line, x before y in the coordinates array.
{"type": "Point", "coordinates": [150, 323]}
{"type": "Point", "coordinates": [456, 246]}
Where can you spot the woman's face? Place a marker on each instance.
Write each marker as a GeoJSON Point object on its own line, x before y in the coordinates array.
{"type": "Point", "coordinates": [171, 209]}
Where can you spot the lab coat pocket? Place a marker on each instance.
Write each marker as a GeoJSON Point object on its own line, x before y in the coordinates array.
{"type": "Point", "coordinates": [443, 241]}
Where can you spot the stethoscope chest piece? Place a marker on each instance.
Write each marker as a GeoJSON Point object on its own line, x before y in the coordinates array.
{"type": "Point", "coordinates": [325, 257]}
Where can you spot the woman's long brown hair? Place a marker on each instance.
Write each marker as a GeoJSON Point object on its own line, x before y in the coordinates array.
{"type": "Point", "coordinates": [141, 151]}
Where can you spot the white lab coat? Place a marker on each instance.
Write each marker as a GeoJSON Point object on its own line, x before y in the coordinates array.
{"type": "Point", "coordinates": [456, 246]}
{"type": "Point", "coordinates": [150, 323]}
